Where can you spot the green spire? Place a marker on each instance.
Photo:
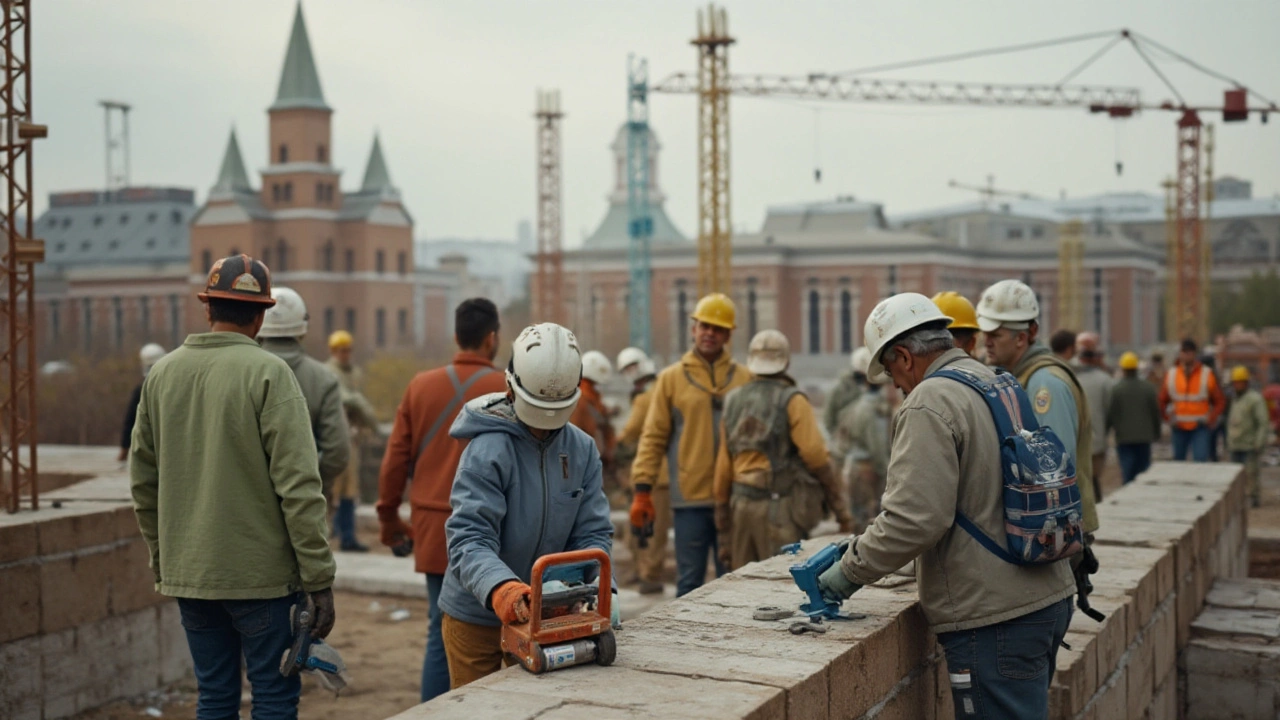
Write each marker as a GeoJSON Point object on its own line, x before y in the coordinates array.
{"type": "Point", "coordinates": [299, 81]}
{"type": "Point", "coordinates": [232, 175]}
{"type": "Point", "coordinates": [376, 176]}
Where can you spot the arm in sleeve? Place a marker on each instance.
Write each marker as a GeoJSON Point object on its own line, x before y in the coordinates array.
{"type": "Point", "coordinates": [1157, 418]}
{"type": "Point", "coordinates": [359, 409]}
{"type": "Point", "coordinates": [919, 505]}
{"type": "Point", "coordinates": [655, 436]}
{"type": "Point", "coordinates": [333, 437]}
{"type": "Point", "coordinates": [1061, 413]}
{"type": "Point", "coordinates": [830, 412]}
{"type": "Point", "coordinates": [1217, 401]}
{"type": "Point", "coordinates": [285, 428]}
{"type": "Point", "coordinates": [1163, 399]}
{"type": "Point", "coordinates": [144, 484]}
{"type": "Point", "coordinates": [396, 462]}
{"type": "Point", "coordinates": [722, 488]}
{"type": "Point", "coordinates": [805, 433]}
{"type": "Point", "coordinates": [130, 416]}
{"type": "Point", "coordinates": [635, 422]}
{"type": "Point", "coordinates": [479, 507]}
{"type": "Point", "coordinates": [1263, 420]}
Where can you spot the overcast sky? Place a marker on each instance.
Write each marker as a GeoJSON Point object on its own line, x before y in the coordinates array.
{"type": "Point", "coordinates": [451, 87]}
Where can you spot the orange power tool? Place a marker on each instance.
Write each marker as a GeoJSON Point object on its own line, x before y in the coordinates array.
{"type": "Point", "coordinates": [565, 628]}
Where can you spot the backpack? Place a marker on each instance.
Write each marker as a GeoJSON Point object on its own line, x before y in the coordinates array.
{"type": "Point", "coordinates": [1042, 508]}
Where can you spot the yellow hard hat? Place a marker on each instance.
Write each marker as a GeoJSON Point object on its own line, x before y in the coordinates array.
{"type": "Point", "coordinates": [716, 309]}
{"type": "Point", "coordinates": [1129, 361]}
{"type": "Point", "coordinates": [1239, 373]}
{"type": "Point", "coordinates": [340, 339]}
{"type": "Point", "coordinates": [958, 308]}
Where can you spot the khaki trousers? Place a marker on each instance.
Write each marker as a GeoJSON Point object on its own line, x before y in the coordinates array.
{"type": "Point", "coordinates": [472, 651]}
{"type": "Point", "coordinates": [760, 528]}
{"type": "Point", "coordinates": [347, 485]}
{"type": "Point", "coordinates": [865, 490]}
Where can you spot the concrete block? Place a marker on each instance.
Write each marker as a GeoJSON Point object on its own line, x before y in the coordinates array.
{"type": "Point", "coordinates": [17, 538]}
{"type": "Point", "coordinates": [944, 705]}
{"type": "Point", "coordinates": [1232, 621]}
{"type": "Point", "coordinates": [131, 636]}
{"type": "Point", "coordinates": [1113, 700]}
{"type": "Point", "coordinates": [860, 678]}
{"type": "Point", "coordinates": [20, 606]}
{"type": "Point", "coordinates": [74, 591]}
{"type": "Point", "coordinates": [473, 702]}
{"type": "Point", "coordinates": [1164, 703]}
{"type": "Point", "coordinates": [1163, 636]}
{"type": "Point", "coordinates": [132, 580]}
{"type": "Point", "coordinates": [1245, 593]}
{"type": "Point", "coordinates": [126, 523]}
{"type": "Point", "coordinates": [1076, 678]}
{"type": "Point", "coordinates": [1140, 678]}
{"type": "Point", "coordinates": [75, 527]}
{"type": "Point", "coordinates": [63, 674]}
{"type": "Point", "coordinates": [1115, 633]}
{"type": "Point", "coordinates": [174, 654]}
{"type": "Point", "coordinates": [1137, 583]}
{"type": "Point", "coordinates": [21, 682]}
{"type": "Point", "coordinates": [1211, 696]}
{"type": "Point", "coordinates": [913, 702]}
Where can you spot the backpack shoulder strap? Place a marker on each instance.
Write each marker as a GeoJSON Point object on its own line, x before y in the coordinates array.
{"type": "Point", "coordinates": [459, 396]}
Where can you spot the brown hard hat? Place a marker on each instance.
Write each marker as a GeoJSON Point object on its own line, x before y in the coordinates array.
{"type": "Point", "coordinates": [241, 278]}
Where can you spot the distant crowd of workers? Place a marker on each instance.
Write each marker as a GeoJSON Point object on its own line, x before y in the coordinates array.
{"type": "Point", "coordinates": [236, 439]}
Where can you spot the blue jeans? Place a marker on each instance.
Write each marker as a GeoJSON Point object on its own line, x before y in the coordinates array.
{"type": "Point", "coordinates": [1003, 671]}
{"type": "Point", "coordinates": [695, 538]}
{"type": "Point", "coordinates": [1197, 441]}
{"type": "Point", "coordinates": [1135, 459]}
{"type": "Point", "coordinates": [219, 632]}
{"type": "Point", "coordinates": [435, 667]}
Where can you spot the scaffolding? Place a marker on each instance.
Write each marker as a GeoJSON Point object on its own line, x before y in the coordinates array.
{"type": "Point", "coordinates": [639, 214]}
{"type": "Point", "coordinates": [548, 303]}
{"type": "Point", "coordinates": [714, 229]}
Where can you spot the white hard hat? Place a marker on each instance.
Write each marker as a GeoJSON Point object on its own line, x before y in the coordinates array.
{"type": "Point", "coordinates": [595, 367]}
{"type": "Point", "coordinates": [647, 368]}
{"type": "Point", "coordinates": [861, 360]}
{"type": "Point", "coordinates": [287, 318]}
{"type": "Point", "coordinates": [892, 318]}
{"type": "Point", "coordinates": [628, 357]}
{"type": "Point", "coordinates": [150, 354]}
{"type": "Point", "coordinates": [769, 353]}
{"type": "Point", "coordinates": [545, 369]}
{"type": "Point", "coordinates": [1008, 303]}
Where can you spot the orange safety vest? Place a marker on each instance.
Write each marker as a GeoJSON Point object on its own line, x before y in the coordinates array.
{"type": "Point", "coordinates": [1190, 397]}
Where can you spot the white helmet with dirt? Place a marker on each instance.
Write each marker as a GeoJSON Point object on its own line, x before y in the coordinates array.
{"type": "Point", "coordinates": [1008, 303]}
{"type": "Point", "coordinates": [627, 358]}
{"type": "Point", "coordinates": [545, 369]}
{"type": "Point", "coordinates": [893, 318]}
{"type": "Point", "coordinates": [595, 367]}
{"type": "Point", "coordinates": [150, 354]}
{"type": "Point", "coordinates": [287, 318]}
{"type": "Point", "coordinates": [769, 353]}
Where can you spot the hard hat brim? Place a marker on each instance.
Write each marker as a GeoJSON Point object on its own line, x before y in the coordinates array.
{"type": "Point", "coordinates": [711, 321]}
{"type": "Point", "coordinates": [957, 325]}
{"type": "Point", "coordinates": [238, 297]}
{"type": "Point", "coordinates": [542, 414]}
{"type": "Point", "coordinates": [766, 366]}
{"type": "Point", "coordinates": [986, 324]}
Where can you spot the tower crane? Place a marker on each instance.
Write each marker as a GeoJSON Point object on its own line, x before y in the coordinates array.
{"type": "Point", "coordinates": [989, 191]}
{"type": "Point", "coordinates": [713, 84]}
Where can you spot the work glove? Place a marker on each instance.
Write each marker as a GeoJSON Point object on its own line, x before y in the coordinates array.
{"type": "Point", "coordinates": [834, 586]}
{"type": "Point", "coordinates": [642, 511]}
{"type": "Point", "coordinates": [511, 602]}
{"type": "Point", "coordinates": [325, 615]}
{"type": "Point", "coordinates": [394, 531]}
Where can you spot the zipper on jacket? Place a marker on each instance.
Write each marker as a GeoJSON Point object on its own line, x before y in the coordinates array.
{"type": "Point", "coordinates": [542, 470]}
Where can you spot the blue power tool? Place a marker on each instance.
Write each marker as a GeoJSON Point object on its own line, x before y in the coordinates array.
{"type": "Point", "coordinates": [806, 577]}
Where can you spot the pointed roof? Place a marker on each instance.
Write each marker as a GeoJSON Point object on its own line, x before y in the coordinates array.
{"type": "Point", "coordinates": [299, 81]}
{"type": "Point", "coordinates": [232, 175]}
{"type": "Point", "coordinates": [376, 176]}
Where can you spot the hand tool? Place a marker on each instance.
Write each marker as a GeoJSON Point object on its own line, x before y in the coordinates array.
{"type": "Point", "coordinates": [567, 627]}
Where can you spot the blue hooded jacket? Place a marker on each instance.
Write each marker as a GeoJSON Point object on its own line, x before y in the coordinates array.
{"type": "Point", "coordinates": [516, 498]}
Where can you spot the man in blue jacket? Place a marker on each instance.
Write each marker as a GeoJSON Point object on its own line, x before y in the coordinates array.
{"type": "Point", "coordinates": [528, 485]}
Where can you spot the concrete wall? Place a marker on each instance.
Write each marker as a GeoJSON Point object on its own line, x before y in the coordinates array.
{"type": "Point", "coordinates": [1163, 542]}
{"type": "Point", "coordinates": [1232, 665]}
{"type": "Point", "coordinates": [80, 622]}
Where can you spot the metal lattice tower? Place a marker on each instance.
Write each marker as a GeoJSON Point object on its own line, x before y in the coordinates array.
{"type": "Point", "coordinates": [1206, 248]}
{"type": "Point", "coordinates": [715, 234]}
{"type": "Point", "coordinates": [1070, 260]}
{"type": "Point", "coordinates": [548, 304]}
{"type": "Point", "coordinates": [640, 218]}
{"type": "Point", "coordinates": [1186, 306]}
{"type": "Point", "coordinates": [21, 252]}
{"type": "Point", "coordinates": [117, 144]}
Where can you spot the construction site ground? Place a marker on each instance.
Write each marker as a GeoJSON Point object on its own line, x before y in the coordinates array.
{"type": "Point", "coordinates": [384, 649]}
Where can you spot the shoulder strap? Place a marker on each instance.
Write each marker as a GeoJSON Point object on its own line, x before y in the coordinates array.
{"type": "Point", "coordinates": [459, 395]}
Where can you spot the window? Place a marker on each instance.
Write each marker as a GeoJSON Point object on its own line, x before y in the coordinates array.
{"type": "Point", "coordinates": [1013, 233]}
{"type": "Point", "coordinates": [175, 323]}
{"type": "Point", "coordinates": [1037, 231]}
{"type": "Point", "coordinates": [379, 261]}
{"type": "Point", "coordinates": [86, 245]}
{"type": "Point", "coordinates": [275, 192]}
{"type": "Point", "coordinates": [326, 257]}
{"type": "Point", "coordinates": [349, 258]}
{"type": "Point", "coordinates": [402, 322]}
{"type": "Point", "coordinates": [1097, 302]}
{"type": "Point", "coordinates": [60, 247]}
{"type": "Point", "coordinates": [893, 280]}
{"type": "Point", "coordinates": [682, 332]}
{"type": "Point", "coordinates": [86, 310]}
{"type": "Point", "coordinates": [319, 193]}
{"type": "Point", "coordinates": [124, 218]}
{"type": "Point", "coordinates": [815, 320]}
{"type": "Point", "coordinates": [266, 258]}
{"type": "Point", "coordinates": [328, 321]}
{"type": "Point", "coordinates": [351, 321]}
{"type": "Point", "coordinates": [282, 256]}
{"type": "Point", "coordinates": [144, 312]}
{"type": "Point", "coordinates": [283, 155]}
{"type": "Point", "coordinates": [97, 220]}
{"type": "Point", "coordinates": [321, 154]}
{"type": "Point", "coordinates": [846, 322]}
{"type": "Point", "coordinates": [151, 243]}
{"type": "Point", "coordinates": [113, 245]}
{"type": "Point", "coordinates": [66, 222]}
{"type": "Point", "coordinates": [176, 217]}
{"type": "Point", "coordinates": [117, 320]}
{"type": "Point", "coordinates": [55, 319]}
{"type": "Point", "coordinates": [753, 318]}
{"type": "Point", "coordinates": [288, 192]}
{"type": "Point", "coordinates": [401, 263]}
{"type": "Point", "coordinates": [151, 216]}
{"type": "Point", "coordinates": [206, 260]}
{"type": "Point", "coordinates": [380, 327]}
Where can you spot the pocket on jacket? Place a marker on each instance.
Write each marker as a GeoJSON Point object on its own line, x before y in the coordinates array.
{"type": "Point", "coordinates": [572, 497]}
{"type": "Point", "coordinates": [249, 617]}
{"type": "Point", "coordinates": [1023, 647]}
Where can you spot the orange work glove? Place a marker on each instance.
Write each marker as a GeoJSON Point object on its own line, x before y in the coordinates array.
{"type": "Point", "coordinates": [511, 602]}
{"type": "Point", "coordinates": [642, 512]}
{"type": "Point", "coordinates": [394, 531]}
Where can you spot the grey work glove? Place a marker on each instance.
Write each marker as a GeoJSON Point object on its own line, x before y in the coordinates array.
{"type": "Point", "coordinates": [323, 600]}
{"type": "Point", "coordinates": [834, 586]}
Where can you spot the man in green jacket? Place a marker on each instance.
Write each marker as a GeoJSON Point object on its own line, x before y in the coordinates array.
{"type": "Point", "coordinates": [846, 391]}
{"type": "Point", "coordinates": [1133, 412]}
{"type": "Point", "coordinates": [1248, 429]}
{"type": "Point", "coordinates": [227, 491]}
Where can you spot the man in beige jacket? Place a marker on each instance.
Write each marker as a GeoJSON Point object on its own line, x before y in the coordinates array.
{"type": "Point", "coordinates": [1000, 624]}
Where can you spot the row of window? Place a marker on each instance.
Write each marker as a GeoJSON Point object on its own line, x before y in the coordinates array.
{"type": "Point", "coordinates": [282, 153]}
{"type": "Point", "coordinates": [283, 193]}
{"type": "Point", "coordinates": [379, 323]}
{"type": "Point", "coordinates": [113, 244]}
{"type": "Point", "coordinates": [175, 217]}
{"type": "Point", "coordinates": [813, 319]}
{"type": "Point", "coordinates": [277, 257]}
{"type": "Point", "coordinates": [117, 320]}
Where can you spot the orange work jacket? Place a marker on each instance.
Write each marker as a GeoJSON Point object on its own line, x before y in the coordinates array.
{"type": "Point", "coordinates": [1191, 399]}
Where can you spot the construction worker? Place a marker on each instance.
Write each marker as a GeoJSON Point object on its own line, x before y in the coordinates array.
{"type": "Point", "coordinates": [226, 487]}
{"type": "Point", "coordinates": [847, 389]}
{"type": "Point", "coordinates": [1156, 371]}
{"type": "Point", "coordinates": [773, 473]}
{"type": "Point", "coordinates": [148, 356]}
{"type": "Point", "coordinates": [1193, 404]}
{"type": "Point", "coordinates": [964, 319]}
{"type": "Point", "coordinates": [420, 452]}
{"type": "Point", "coordinates": [1008, 315]}
{"type": "Point", "coordinates": [862, 443]}
{"type": "Point", "coordinates": [1096, 381]}
{"type": "Point", "coordinates": [1133, 413]}
{"type": "Point", "coordinates": [683, 426]}
{"type": "Point", "coordinates": [591, 416]}
{"type": "Point", "coordinates": [283, 328]}
{"type": "Point", "coordinates": [529, 484]}
{"type": "Point", "coordinates": [1063, 344]}
{"type": "Point", "coordinates": [636, 367]}
{"type": "Point", "coordinates": [1248, 429]}
{"type": "Point", "coordinates": [1000, 624]}
{"type": "Point", "coordinates": [361, 419]}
